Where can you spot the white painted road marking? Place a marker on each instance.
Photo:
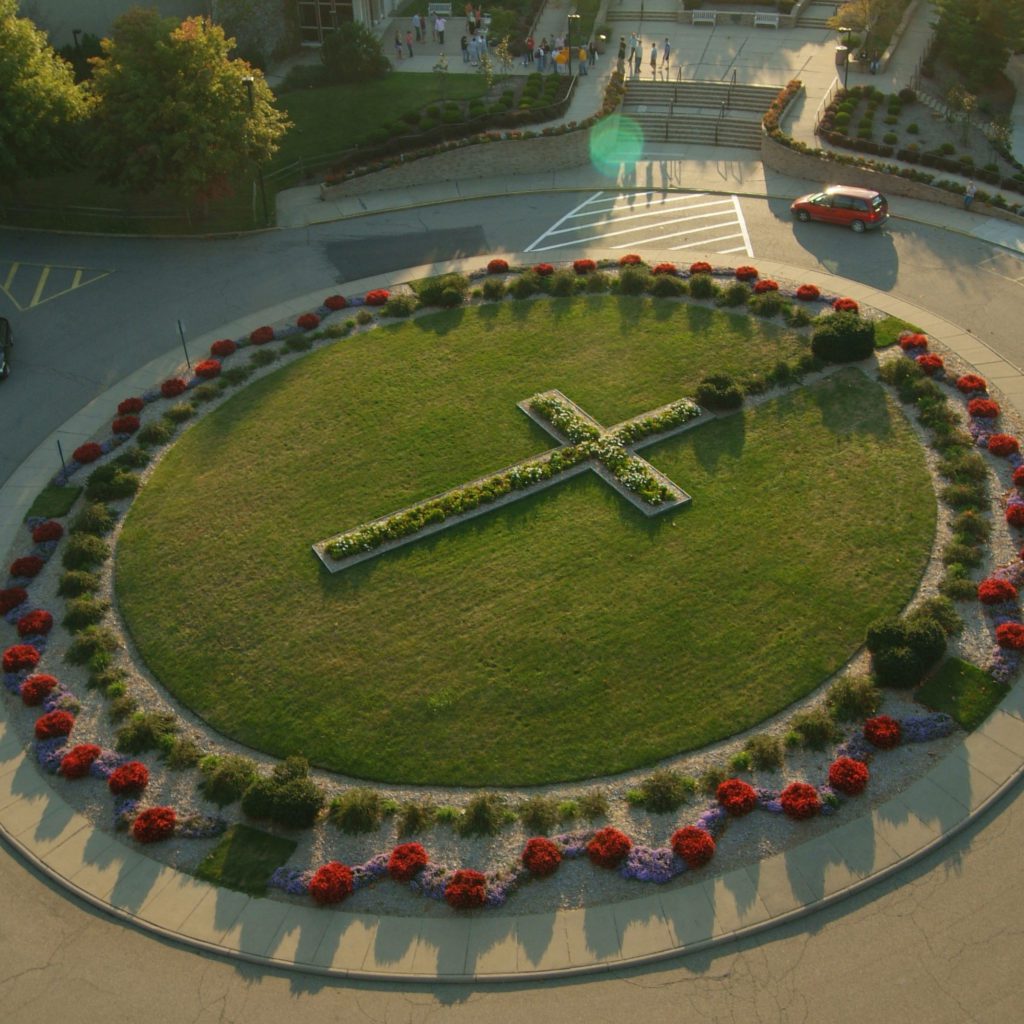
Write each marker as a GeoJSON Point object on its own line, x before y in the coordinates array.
{"type": "Point", "coordinates": [636, 219]}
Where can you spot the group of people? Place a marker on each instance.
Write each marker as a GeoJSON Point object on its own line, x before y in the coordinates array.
{"type": "Point", "coordinates": [557, 52]}
{"type": "Point", "coordinates": [634, 58]}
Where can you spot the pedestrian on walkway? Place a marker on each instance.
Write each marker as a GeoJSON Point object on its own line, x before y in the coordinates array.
{"type": "Point", "coordinates": [633, 44]}
{"type": "Point", "coordinates": [592, 52]}
{"type": "Point", "coordinates": [544, 51]}
{"type": "Point", "coordinates": [398, 46]}
{"type": "Point", "coordinates": [582, 57]}
{"type": "Point", "coordinates": [439, 27]}
{"type": "Point", "coordinates": [621, 64]}
{"type": "Point", "coordinates": [530, 47]}
{"type": "Point", "coordinates": [654, 60]}
{"type": "Point", "coordinates": [416, 26]}
{"type": "Point", "coordinates": [969, 193]}
{"type": "Point", "coordinates": [464, 43]}
{"type": "Point", "coordinates": [638, 57]}
{"type": "Point", "coordinates": [408, 42]}
{"type": "Point", "coordinates": [666, 54]}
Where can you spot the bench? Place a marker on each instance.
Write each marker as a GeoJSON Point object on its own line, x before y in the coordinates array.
{"type": "Point", "coordinates": [766, 20]}
{"type": "Point", "coordinates": [433, 10]}
{"type": "Point", "coordinates": [703, 17]}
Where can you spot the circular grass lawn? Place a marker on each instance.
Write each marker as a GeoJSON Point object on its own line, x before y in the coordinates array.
{"type": "Point", "coordinates": [564, 636]}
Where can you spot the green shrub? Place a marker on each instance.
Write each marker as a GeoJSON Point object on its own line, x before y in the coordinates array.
{"type": "Point", "coordinates": [111, 483]}
{"type": "Point", "coordinates": [913, 129]}
{"type": "Point", "coordinates": [354, 55]}
{"type": "Point", "coordinates": [593, 805]}
{"type": "Point", "coordinates": [525, 285]}
{"type": "Point", "coordinates": [108, 679]}
{"type": "Point", "coordinates": [84, 551]}
{"type": "Point", "coordinates": [400, 306]}
{"type": "Point", "coordinates": [121, 706]}
{"type": "Point", "coordinates": [287, 796]}
{"type": "Point", "coordinates": [957, 584]}
{"type": "Point", "coordinates": [765, 752]}
{"type": "Point", "coordinates": [568, 810]}
{"type": "Point", "coordinates": [972, 525]}
{"type": "Point", "coordinates": [539, 814]}
{"type": "Point", "coordinates": [302, 342]}
{"type": "Point", "coordinates": [180, 411]}
{"type": "Point", "coordinates": [719, 393]}
{"type": "Point", "coordinates": [966, 496]}
{"type": "Point", "coordinates": [598, 281]}
{"type": "Point", "coordinates": [740, 762]}
{"type": "Point", "coordinates": [133, 458]}
{"type": "Point", "coordinates": [356, 810]}
{"type": "Point", "coordinates": [560, 283]}
{"type": "Point", "coordinates": [816, 728]}
{"type": "Point", "coordinates": [703, 286]}
{"type": "Point", "coordinates": [956, 553]}
{"type": "Point", "coordinates": [766, 304]}
{"type": "Point", "coordinates": [634, 280]}
{"type": "Point", "coordinates": [734, 294]}
{"type": "Point", "coordinates": [667, 286]}
{"type": "Point", "coordinates": [225, 777]}
{"type": "Point", "coordinates": [796, 316]}
{"type": "Point", "coordinates": [84, 611]}
{"type": "Point", "coordinates": [853, 698]}
{"type": "Point", "coordinates": [205, 392]}
{"type": "Point", "coordinates": [963, 465]}
{"type": "Point", "coordinates": [414, 819]}
{"type": "Point", "coordinates": [432, 291]}
{"type": "Point", "coordinates": [902, 650]}
{"type": "Point", "coordinates": [494, 289]}
{"type": "Point", "coordinates": [262, 357]}
{"type": "Point", "coordinates": [843, 338]}
{"type": "Point", "coordinates": [77, 582]}
{"type": "Point", "coordinates": [890, 138]}
{"type": "Point", "coordinates": [942, 611]}
{"type": "Point", "coordinates": [447, 815]}
{"type": "Point", "coordinates": [484, 815]}
{"type": "Point", "coordinates": [711, 778]}
{"type": "Point", "coordinates": [664, 790]}
{"type": "Point", "coordinates": [155, 433]}
{"type": "Point", "coordinates": [180, 752]}
{"type": "Point", "coordinates": [96, 518]}
{"type": "Point", "coordinates": [235, 375]}
{"type": "Point", "coordinates": [146, 730]}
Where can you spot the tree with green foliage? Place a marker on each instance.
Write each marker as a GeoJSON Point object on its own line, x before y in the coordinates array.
{"type": "Point", "coordinates": [40, 102]}
{"type": "Point", "coordinates": [173, 111]}
{"type": "Point", "coordinates": [353, 54]}
{"type": "Point", "coordinates": [977, 37]}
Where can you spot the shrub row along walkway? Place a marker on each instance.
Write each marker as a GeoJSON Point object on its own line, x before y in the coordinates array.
{"type": "Point", "coordinates": [102, 870]}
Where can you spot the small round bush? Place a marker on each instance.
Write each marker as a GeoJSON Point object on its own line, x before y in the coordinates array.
{"type": "Point", "coordinates": [719, 393]}
{"type": "Point", "coordinates": [525, 285]}
{"type": "Point", "coordinates": [96, 518]}
{"type": "Point", "coordinates": [765, 752]}
{"type": "Point", "coordinates": [111, 482]}
{"type": "Point", "coordinates": [736, 796]}
{"type": "Point", "coordinates": [852, 698]}
{"type": "Point", "coordinates": [845, 775]}
{"type": "Point", "coordinates": [84, 551]}
{"type": "Point", "coordinates": [406, 861]}
{"type": "Point", "coordinates": [494, 289]}
{"type": "Point", "coordinates": [178, 413]}
{"type": "Point", "coordinates": [634, 279]}
{"type": "Point", "coordinates": [538, 813]}
{"type": "Point", "coordinates": [664, 790]}
{"type": "Point", "coordinates": [484, 815]}
{"type": "Point", "coordinates": [843, 337]}
{"type": "Point", "coordinates": [331, 883]}
{"type": "Point", "coordinates": [667, 286]}
{"type": "Point", "coordinates": [466, 890]}
{"type": "Point", "coordinates": [154, 824]}
{"type": "Point", "coordinates": [693, 845]}
{"type": "Point", "coordinates": [800, 800]}
{"type": "Point", "coordinates": [541, 857]}
{"type": "Point", "coordinates": [356, 810]}
{"type": "Point", "coordinates": [703, 286]}
{"type": "Point", "coordinates": [287, 796]}
{"type": "Point", "coordinates": [226, 777]}
{"type": "Point", "coordinates": [608, 847]}
{"type": "Point", "coordinates": [84, 611]}
{"type": "Point", "coordinates": [883, 732]}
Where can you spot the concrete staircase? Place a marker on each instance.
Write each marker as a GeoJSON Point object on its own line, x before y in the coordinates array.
{"type": "Point", "coordinates": [692, 112]}
{"type": "Point", "coordinates": [614, 16]}
{"type": "Point", "coordinates": [816, 15]}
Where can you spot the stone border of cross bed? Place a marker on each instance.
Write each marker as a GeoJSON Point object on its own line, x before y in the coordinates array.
{"type": "Point", "coordinates": [322, 548]}
{"type": "Point", "coordinates": [124, 883]}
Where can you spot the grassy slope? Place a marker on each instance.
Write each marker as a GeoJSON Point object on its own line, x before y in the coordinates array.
{"type": "Point", "coordinates": [564, 636]}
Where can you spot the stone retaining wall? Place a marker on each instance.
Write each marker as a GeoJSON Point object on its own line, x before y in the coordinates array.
{"type": "Point", "coordinates": [804, 165]}
{"type": "Point", "coordinates": [482, 160]}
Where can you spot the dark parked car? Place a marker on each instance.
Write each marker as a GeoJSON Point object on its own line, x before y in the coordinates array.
{"type": "Point", "coordinates": [6, 344]}
{"type": "Point", "coordinates": [856, 208]}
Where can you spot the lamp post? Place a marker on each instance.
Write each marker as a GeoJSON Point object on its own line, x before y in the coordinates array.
{"type": "Point", "coordinates": [573, 16]}
{"type": "Point", "coordinates": [249, 83]}
{"type": "Point", "coordinates": [843, 54]}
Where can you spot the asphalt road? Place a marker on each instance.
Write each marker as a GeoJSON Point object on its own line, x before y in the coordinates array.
{"type": "Point", "coordinates": [939, 943]}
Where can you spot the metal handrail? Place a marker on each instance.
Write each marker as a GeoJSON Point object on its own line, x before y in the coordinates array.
{"type": "Point", "coordinates": [721, 116]}
{"type": "Point", "coordinates": [728, 92]}
{"type": "Point", "coordinates": [826, 100]}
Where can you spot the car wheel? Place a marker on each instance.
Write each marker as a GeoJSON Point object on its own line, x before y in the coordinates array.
{"type": "Point", "coordinates": [858, 226]}
{"type": "Point", "coordinates": [803, 215]}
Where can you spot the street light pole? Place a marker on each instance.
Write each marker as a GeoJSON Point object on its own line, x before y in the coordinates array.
{"type": "Point", "coordinates": [846, 54]}
{"type": "Point", "coordinates": [249, 84]}
{"type": "Point", "coordinates": [573, 16]}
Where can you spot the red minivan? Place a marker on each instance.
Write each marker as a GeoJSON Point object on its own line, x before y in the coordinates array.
{"type": "Point", "coordinates": [856, 208]}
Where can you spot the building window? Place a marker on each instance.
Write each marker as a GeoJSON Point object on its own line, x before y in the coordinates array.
{"type": "Point", "coordinates": [319, 16]}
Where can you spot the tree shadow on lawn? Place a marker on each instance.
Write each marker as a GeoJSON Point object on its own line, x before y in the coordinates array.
{"type": "Point", "coordinates": [851, 403]}
{"type": "Point", "coordinates": [441, 322]}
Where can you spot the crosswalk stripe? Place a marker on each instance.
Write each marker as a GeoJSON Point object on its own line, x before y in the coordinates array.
{"type": "Point", "coordinates": [626, 202]}
{"type": "Point", "coordinates": [641, 216]}
{"type": "Point", "coordinates": [10, 276]}
{"type": "Point", "coordinates": [677, 234]}
{"type": "Point", "coordinates": [40, 285]}
{"type": "Point", "coordinates": [709, 241]}
{"type": "Point", "coordinates": [529, 248]}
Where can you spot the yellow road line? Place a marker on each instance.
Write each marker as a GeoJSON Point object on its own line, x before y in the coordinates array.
{"type": "Point", "coordinates": [10, 276]}
{"type": "Point", "coordinates": [77, 279]}
{"type": "Point", "coordinates": [40, 286]}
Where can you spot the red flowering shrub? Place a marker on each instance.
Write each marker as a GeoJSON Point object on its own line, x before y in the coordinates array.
{"type": "Point", "coordinates": [736, 796]}
{"type": "Point", "coordinates": [1003, 444]}
{"type": "Point", "coordinates": [846, 306]}
{"type": "Point", "coordinates": [800, 800]}
{"type": "Point", "coordinates": [584, 266]}
{"type": "Point", "coordinates": [497, 266]}
{"type": "Point", "coordinates": [911, 340]}
{"type": "Point", "coordinates": [262, 335]}
{"type": "Point", "coordinates": [766, 285]}
{"type": "Point", "coordinates": [694, 845]}
{"type": "Point", "coordinates": [541, 857]}
{"type": "Point", "coordinates": [208, 368]}
{"type": "Point", "coordinates": [86, 453]}
{"type": "Point", "coordinates": [930, 363]}
{"type": "Point", "coordinates": [983, 407]}
{"type": "Point", "coordinates": [154, 824]}
{"type": "Point", "coordinates": [970, 382]}
{"type": "Point", "coordinates": [883, 732]}
{"type": "Point", "coordinates": [808, 292]}
{"type": "Point", "coordinates": [75, 763]}
{"type": "Point", "coordinates": [1015, 514]}
{"type": "Point", "coordinates": [746, 273]}
{"type": "Point", "coordinates": [1010, 636]}
{"type": "Point", "coordinates": [20, 657]}
{"type": "Point", "coordinates": [54, 723]}
{"type": "Point", "coordinates": [629, 260]}
{"type": "Point", "coordinates": [172, 387]}
{"type": "Point", "coordinates": [609, 847]}
{"type": "Point", "coordinates": [665, 268]}
{"type": "Point", "coordinates": [50, 530]}
{"type": "Point", "coordinates": [222, 348]}
{"type": "Point", "coordinates": [308, 321]}
{"type": "Point", "coordinates": [377, 297]}
{"type": "Point", "coordinates": [35, 688]}
{"type": "Point", "coordinates": [331, 883]}
{"type": "Point", "coordinates": [125, 424]}
{"type": "Point", "coordinates": [466, 890]}
{"type": "Point", "coordinates": [700, 267]}
{"type": "Point", "coordinates": [543, 269]}
{"type": "Point", "coordinates": [11, 597]}
{"type": "Point", "coordinates": [845, 775]}
{"type": "Point", "coordinates": [27, 566]}
{"type": "Point", "coordinates": [406, 861]}
{"type": "Point", "coordinates": [996, 591]}
{"type": "Point", "coordinates": [35, 623]}
{"type": "Point", "coordinates": [128, 779]}
{"type": "Point", "coordinates": [130, 406]}
{"type": "Point", "coordinates": [1018, 476]}
{"type": "Point", "coordinates": [335, 302]}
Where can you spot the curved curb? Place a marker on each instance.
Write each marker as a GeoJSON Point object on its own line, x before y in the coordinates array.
{"type": "Point", "coordinates": [842, 862]}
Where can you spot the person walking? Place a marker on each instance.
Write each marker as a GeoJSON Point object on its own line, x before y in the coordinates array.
{"type": "Point", "coordinates": [638, 57]}
{"type": "Point", "coordinates": [666, 54]}
{"type": "Point", "coordinates": [408, 42]}
{"type": "Point", "coordinates": [544, 50]}
{"type": "Point", "coordinates": [582, 59]}
{"type": "Point", "coordinates": [654, 60]}
{"type": "Point", "coordinates": [621, 62]}
{"type": "Point", "coordinates": [530, 47]}
{"type": "Point", "coordinates": [592, 53]}
{"type": "Point", "coordinates": [633, 43]}
{"type": "Point", "coordinates": [439, 27]}
{"type": "Point", "coordinates": [464, 43]}
{"type": "Point", "coordinates": [969, 194]}
{"type": "Point", "coordinates": [398, 46]}
{"type": "Point", "coordinates": [416, 27]}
